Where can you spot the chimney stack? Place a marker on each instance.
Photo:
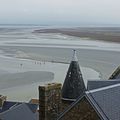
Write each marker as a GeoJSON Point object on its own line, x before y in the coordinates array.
{"type": "Point", "coordinates": [49, 101]}
{"type": "Point", "coordinates": [2, 99]}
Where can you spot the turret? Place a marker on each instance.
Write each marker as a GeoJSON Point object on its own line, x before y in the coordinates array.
{"type": "Point", "coordinates": [73, 86]}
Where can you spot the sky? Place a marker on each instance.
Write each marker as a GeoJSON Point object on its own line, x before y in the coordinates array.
{"type": "Point", "coordinates": [60, 12]}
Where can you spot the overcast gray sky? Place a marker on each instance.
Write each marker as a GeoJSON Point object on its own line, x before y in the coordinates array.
{"type": "Point", "coordinates": [60, 11]}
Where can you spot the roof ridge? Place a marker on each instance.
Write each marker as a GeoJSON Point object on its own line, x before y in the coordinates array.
{"type": "Point", "coordinates": [96, 106]}
{"type": "Point", "coordinates": [103, 88]}
{"type": "Point", "coordinates": [70, 107]}
{"type": "Point", "coordinates": [10, 109]}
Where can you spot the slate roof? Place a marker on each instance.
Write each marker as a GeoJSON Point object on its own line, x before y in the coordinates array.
{"type": "Point", "coordinates": [106, 101]}
{"type": "Point", "coordinates": [9, 105]}
{"type": "Point", "coordinates": [32, 107]}
{"type": "Point", "coordinates": [94, 84]}
{"type": "Point", "coordinates": [20, 112]}
{"type": "Point", "coordinates": [73, 86]}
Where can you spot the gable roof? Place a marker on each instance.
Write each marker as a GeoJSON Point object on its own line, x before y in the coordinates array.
{"type": "Point", "coordinates": [70, 107]}
{"type": "Point", "coordinates": [32, 107]}
{"type": "Point", "coordinates": [10, 104]}
{"type": "Point", "coordinates": [116, 74]}
{"type": "Point", "coordinates": [106, 101]}
{"type": "Point", "coordinates": [94, 84]}
{"type": "Point", "coordinates": [19, 112]}
{"type": "Point", "coordinates": [73, 86]}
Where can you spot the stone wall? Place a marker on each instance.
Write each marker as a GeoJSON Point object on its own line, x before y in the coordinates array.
{"type": "Point", "coordinates": [65, 104]}
{"type": "Point", "coordinates": [81, 111]}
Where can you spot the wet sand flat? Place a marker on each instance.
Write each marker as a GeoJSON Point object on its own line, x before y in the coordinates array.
{"type": "Point", "coordinates": [46, 56]}
{"type": "Point", "coordinates": [110, 34]}
{"type": "Point", "coordinates": [20, 78]}
{"type": "Point", "coordinates": [103, 61]}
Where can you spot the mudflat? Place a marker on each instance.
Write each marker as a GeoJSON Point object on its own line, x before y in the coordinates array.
{"type": "Point", "coordinates": [110, 34]}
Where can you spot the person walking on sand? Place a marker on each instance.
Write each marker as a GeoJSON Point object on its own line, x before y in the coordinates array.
{"type": "Point", "coordinates": [21, 64]}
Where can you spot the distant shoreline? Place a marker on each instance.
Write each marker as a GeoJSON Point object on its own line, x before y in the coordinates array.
{"type": "Point", "coordinates": [108, 34]}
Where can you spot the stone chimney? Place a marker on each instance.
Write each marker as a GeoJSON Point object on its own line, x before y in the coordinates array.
{"type": "Point", "coordinates": [49, 101]}
{"type": "Point", "coordinates": [2, 99]}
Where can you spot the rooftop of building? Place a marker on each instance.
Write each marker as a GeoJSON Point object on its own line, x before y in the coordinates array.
{"type": "Point", "coordinates": [115, 74]}
{"type": "Point", "coordinates": [10, 104]}
{"type": "Point", "coordinates": [104, 100]}
{"type": "Point", "coordinates": [95, 84]}
{"type": "Point", "coordinates": [19, 112]}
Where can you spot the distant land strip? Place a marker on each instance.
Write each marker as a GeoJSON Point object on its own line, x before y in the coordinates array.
{"type": "Point", "coordinates": [110, 34]}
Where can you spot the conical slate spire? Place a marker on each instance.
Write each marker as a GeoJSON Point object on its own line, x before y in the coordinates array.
{"type": "Point", "coordinates": [73, 86]}
{"type": "Point", "coordinates": [74, 58]}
